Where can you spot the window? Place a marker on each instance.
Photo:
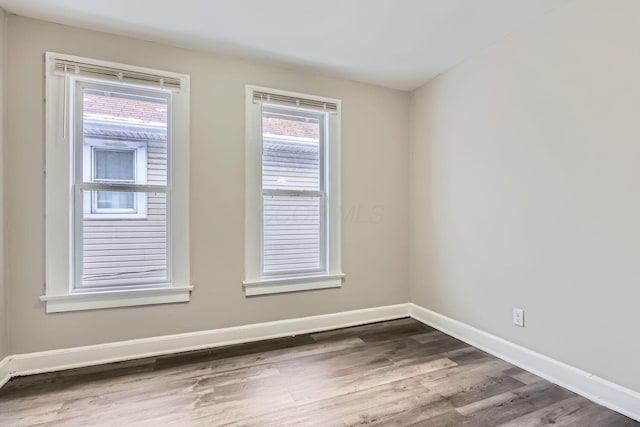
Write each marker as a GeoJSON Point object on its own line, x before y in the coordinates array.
{"type": "Point", "coordinates": [124, 162]}
{"type": "Point", "coordinates": [113, 166]}
{"type": "Point", "coordinates": [117, 185]}
{"type": "Point", "coordinates": [293, 192]}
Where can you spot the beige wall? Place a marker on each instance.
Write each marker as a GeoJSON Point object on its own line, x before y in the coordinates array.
{"type": "Point", "coordinates": [525, 189]}
{"type": "Point", "coordinates": [375, 162]}
{"type": "Point", "coordinates": [3, 289]}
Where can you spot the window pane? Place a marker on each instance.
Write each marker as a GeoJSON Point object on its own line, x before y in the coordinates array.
{"type": "Point", "coordinates": [125, 251]}
{"type": "Point", "coordinates": [115, 200]}
{"type": "Point", "coordinates": [114, 165]}
{"type": "Point", "coordinates": [291, 151]}
{"type": "Point", "coordinates": [292, 234]}
{"type": "Point", "coordinates": [117, 124]}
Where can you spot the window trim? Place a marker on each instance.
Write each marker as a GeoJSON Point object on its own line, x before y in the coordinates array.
{"type": "Point", "coordinates": [60, 292]}
{"type": "Point", "coordinates": [256, 282]}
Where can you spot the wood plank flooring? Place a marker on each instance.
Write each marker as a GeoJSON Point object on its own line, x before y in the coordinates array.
{"type": "Point", "coordinates": [396, 373]}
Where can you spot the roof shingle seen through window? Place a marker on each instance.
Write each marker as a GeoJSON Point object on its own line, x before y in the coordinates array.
{"type": "Point", "coordinates": [125, 108]}
{"type": "Point", "coordinates": [115, 107]}
{"type": "Point", "coordinates": [289, 127]}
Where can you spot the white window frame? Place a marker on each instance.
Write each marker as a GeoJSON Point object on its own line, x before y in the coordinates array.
{"type": "Point", "coordinates": [61, 292]}
{"type": "Point", "coordinates": [257, 282]}
{"type": "Point", "coordinates": [91, 210]}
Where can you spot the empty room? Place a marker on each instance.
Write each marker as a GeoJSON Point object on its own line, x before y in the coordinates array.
{"type": "Point", "coordinates": [335, 213]}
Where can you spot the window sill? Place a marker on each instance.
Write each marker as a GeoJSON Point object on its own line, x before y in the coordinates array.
{"type": "Point", "coordinates": [291, 284]}
{"type": "Point", "coordinates": [113, 299]}
{"type": "Point", "coordinates": [110, 216]}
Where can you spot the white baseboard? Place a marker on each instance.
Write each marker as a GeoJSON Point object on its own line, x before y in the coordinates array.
{"type": "Point", "coordinates": [56, 360]}
{"type": "Point", "coordinates": [5, 372]}
{"type": "Point", "coordinates": [599, 390]}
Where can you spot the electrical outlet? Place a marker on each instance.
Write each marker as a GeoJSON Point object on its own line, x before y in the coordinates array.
{"type": "Point", "coordinates": [518, 317]}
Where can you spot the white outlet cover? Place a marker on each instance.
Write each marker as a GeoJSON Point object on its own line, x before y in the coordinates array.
{"type": "Point", "coordinates": [518, 317]}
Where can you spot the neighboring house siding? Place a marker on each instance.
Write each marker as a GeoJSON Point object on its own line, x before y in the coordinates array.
{"type": "Point", "coordinates": [128, 249]}
{"type": "Point", "coordinates": [291, 224]}
{"type": "Point", "coordinates": [131, 248]}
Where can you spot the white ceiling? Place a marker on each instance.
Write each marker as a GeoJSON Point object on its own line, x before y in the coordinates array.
{"type": "Point", "coordinates": [399, 44]}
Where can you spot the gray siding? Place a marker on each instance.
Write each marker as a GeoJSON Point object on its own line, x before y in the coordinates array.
{"type": "Point", "coordinates": [292, 239]}
{"type": "Point", "coordinates": [125, 249]}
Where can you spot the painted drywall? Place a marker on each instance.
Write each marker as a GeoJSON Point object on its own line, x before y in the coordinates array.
{"type": "Point", "coordinates": [375, 139]}
{"type": "Point", "coordinates": [3, 289]}
{"type": "Point", "coordinates": [525, 189]}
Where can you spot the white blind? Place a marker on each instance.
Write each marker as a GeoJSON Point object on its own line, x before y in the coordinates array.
{"type": "Point", "coordinates": [73, 67]}
{"type": "Point", "coordinates": [313, 104]}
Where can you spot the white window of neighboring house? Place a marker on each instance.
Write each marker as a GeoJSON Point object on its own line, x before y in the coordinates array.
{"type": "Point", "coordinates": [117, 172]}
{"type": "Point", "coordinates": [106, 162]}
{"type": "Point", "coordinates": [293, 192]}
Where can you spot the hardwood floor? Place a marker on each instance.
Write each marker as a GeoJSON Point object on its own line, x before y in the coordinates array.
{"type": "Point", "coordinates": [397, 373]}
